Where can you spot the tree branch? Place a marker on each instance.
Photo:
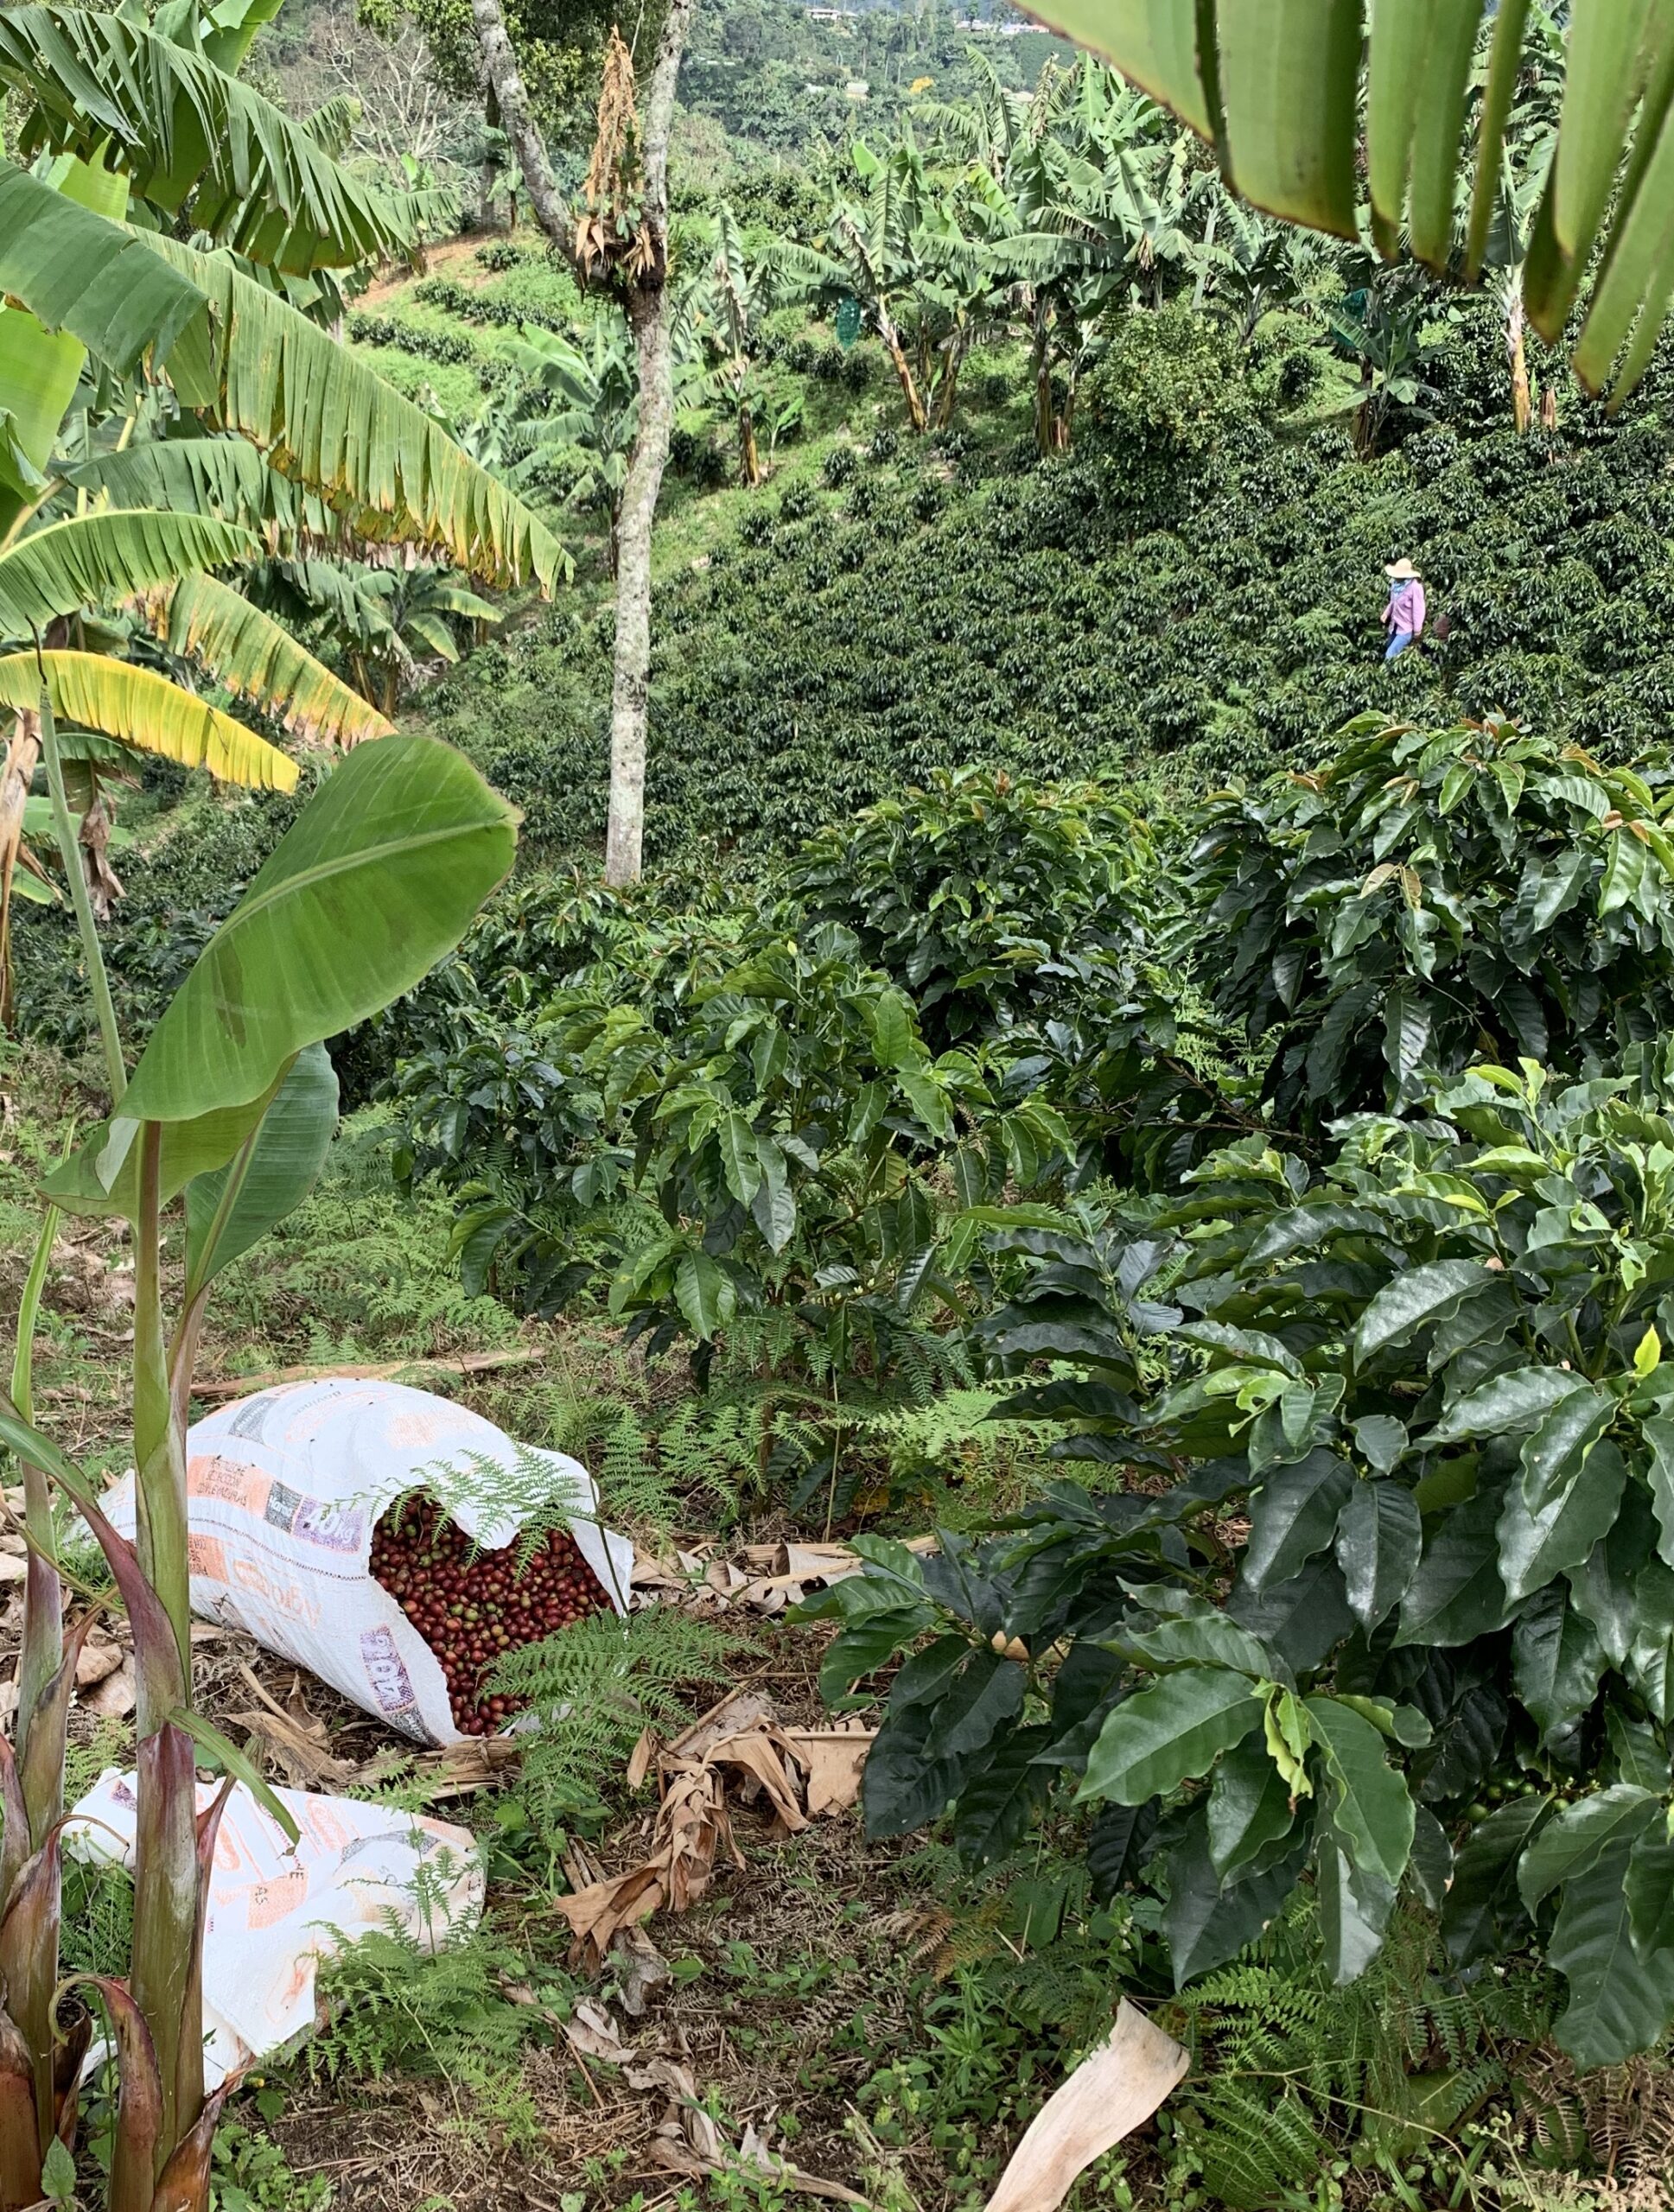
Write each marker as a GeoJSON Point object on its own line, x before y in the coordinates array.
{"type": "Point", "coordinates": [499, 66]}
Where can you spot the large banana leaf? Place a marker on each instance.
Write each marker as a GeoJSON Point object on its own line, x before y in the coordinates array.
{"type": "Point", "coordinates": [1278, 85]}
{"type": "Point", "coordinates": [233, 1208]}
{"type": "Point", "coordinates": [93, 559]}
{"type": "Point", "coordinates": [146, 711]}
{"type": "Point", "coordinates": [102, 1175]}
{"type": "Point", "coordinates": [202, 476]}
{"type": "Point", "coordinates": [181, 127]}
{"type": "Point", "coordinates": [89, 277]}
{"type": "Point", "coordinates": [379, 877]}
{"type": "Point", "coordinates": [247, 358]}
{"type": "Point", "coordinates": [325, 418]}
{"type": "Point", "coordinates": [38, 368]}
{"type": "Point", "coordinates": [200, 617]}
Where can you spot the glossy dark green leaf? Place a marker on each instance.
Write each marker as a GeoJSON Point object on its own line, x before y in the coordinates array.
{"type": "Point", "coordinates": [1249, 1809]}
{"type": "Point", "coordinates": [1482, 1910]}
{"type": "Point", "coordinates": [1579, 1834]}
{"type": "Point", "coordinates": [1381, 1441]}
{"type": "Point", "coordinates": [1456, 1594]}
{"type": "Point", "coordinates": [1210, 1640]}
{"type": "Point", "coordinates": [1379, 1538]}
{"type": "Point", "coordinates": [1293, 1515]}
{"type": "Point", "coordinates": [1651, 1891]}
{"type": "Point", "coordinates": [994, 1804]}
{"type": "Point", "coordinates": [900, 1789]}
{"type": "Point", "coordinates": [1557, 1660]}
{"type": "Point", "coordinates": [1115, 1846]}
{"type": "Point", "coordinates": [1168, 1734]}
{"type": "Point", "coordinates": [987, 1692]}
{"type": "Point", "coordinates": [1619, 1999]}
{"type": "Point", "coordinates": [1301, 1619]}
{"type": "Point", "coordinates": [1557, 1449]}
{"type": "Point", "coordinates": [1505, 1404]}
{"type": "Point", "coordinates": [1371, 1807]}
{"type": "Point", "coordinates": [1430, 1868]}
{"type": "Point", "coordinates": [1639, 1754]}
{"type": "Point", "coordinates": [1355, 1903]}
{"type": "Point", "coordinates": [1650, 1663]}
{"type": "Point", "coordinates": [1535, 1545]}
{"type": "Point", "coordinates": [1467, 1745]}
{"type": "Point", "coordinates": [1603, 1586]}
{"type": "Point", "coordinates": [1414, 1298]}
{"type": "Point", "coordinates": [1206, 1924]}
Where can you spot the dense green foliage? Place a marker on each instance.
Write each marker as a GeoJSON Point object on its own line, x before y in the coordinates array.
{"type": "Point", "coordinates": [1176, 599]}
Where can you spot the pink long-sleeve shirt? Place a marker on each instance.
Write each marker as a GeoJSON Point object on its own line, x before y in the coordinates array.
{"type": "Point", "coordinates": [1406, 607]}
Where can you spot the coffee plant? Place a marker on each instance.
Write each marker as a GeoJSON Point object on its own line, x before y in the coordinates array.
{"type": "Point", "coordinates": [1426, 898]}
{"type": "Point", "coordinates": [773, 1140]}
{"type": "Point", "coordinates": [1373, 1586]}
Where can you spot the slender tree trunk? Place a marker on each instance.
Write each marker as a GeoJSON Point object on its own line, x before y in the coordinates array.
{"type": "Point", "coordinates": [1523, 411]}
{"type": "Point", "coordinates": [1040, 320]}
{"type": "Point", "coordinates": [643, 288]}
{"type": "Point", "coordinates": [897, 354]}
{"type": "Point", "coordinates": [750, 460]}
{"type": "Point", "coordinates": [500, 66]}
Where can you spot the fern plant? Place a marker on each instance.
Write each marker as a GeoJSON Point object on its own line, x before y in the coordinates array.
{"type": "Point", "coordinates": [592, 1690]}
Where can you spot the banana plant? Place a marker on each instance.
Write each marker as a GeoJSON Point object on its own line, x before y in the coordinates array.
{"type": "Point", "coordinates": [1281, 91]}
{"type": "Point", "coordinates": [228, 1117]}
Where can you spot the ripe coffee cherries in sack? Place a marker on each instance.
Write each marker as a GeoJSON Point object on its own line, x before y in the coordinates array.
{"type": "Point", "coordinates": [284, 1490]}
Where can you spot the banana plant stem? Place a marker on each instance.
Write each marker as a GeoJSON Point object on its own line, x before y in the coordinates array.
{"type": "Point", "coordinates": [70, 854]}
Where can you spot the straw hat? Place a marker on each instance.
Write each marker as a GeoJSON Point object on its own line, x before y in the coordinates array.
{"type": "Point", "coordinates": [1401, 572]}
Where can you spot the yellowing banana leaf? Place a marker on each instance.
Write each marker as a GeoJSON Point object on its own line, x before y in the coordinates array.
{"type": "Point", "coordinates": [202, 619]}
{"type": "Point", "coordinates": [182, 127]}
{"type": "Point", "coordinates": [144, 711]}
{"type": "Point", "coordinates": [1279, 86]}
{"type": "Point", "coordinates": [378, 878]}
{"type": "Point", "coordinates": [89, 560]}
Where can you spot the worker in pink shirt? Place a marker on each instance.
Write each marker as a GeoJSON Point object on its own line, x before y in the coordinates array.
{"type": "Point", "coordinates": [1403, 617]}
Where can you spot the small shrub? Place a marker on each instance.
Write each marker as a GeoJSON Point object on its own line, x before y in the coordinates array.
{"type": "Point", "coordinates": [839, 467]}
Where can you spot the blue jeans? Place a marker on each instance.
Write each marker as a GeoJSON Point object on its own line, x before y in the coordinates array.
{"type": "Point", "coordinates": [1398, 644]}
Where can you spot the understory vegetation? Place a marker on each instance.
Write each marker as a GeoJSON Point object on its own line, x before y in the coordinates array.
{"type": "Point", "coordinates": [1148, 1124]}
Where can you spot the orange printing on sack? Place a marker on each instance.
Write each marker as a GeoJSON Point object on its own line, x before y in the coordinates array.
{"type": "Point", "coordinates": [205, 1557]}
{"type": "Point", "coordinates": [287, 1598]}
{"type": "Point", "coordinates": [269, 1902]}
{"type": "Point", "coordinates": [234, 1482]}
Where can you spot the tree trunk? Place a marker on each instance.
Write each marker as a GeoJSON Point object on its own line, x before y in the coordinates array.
{"type": "Point", "coordinates": [500, 66]}
{"type": "Point", "coordinates": [643, 294]}
{"type": "Point", "coordinates": [1043, 409]}
{"type": "Point", "coordinates": [897, 352]}
{"type": "Point", "coordinates": [750, 460]}
{"type": "Point", "coordinates": [1523, 412]}
{"type": "Point", "coordinates": [22, 756]}
{"type": "Point", "coordinates": [647, 315]}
